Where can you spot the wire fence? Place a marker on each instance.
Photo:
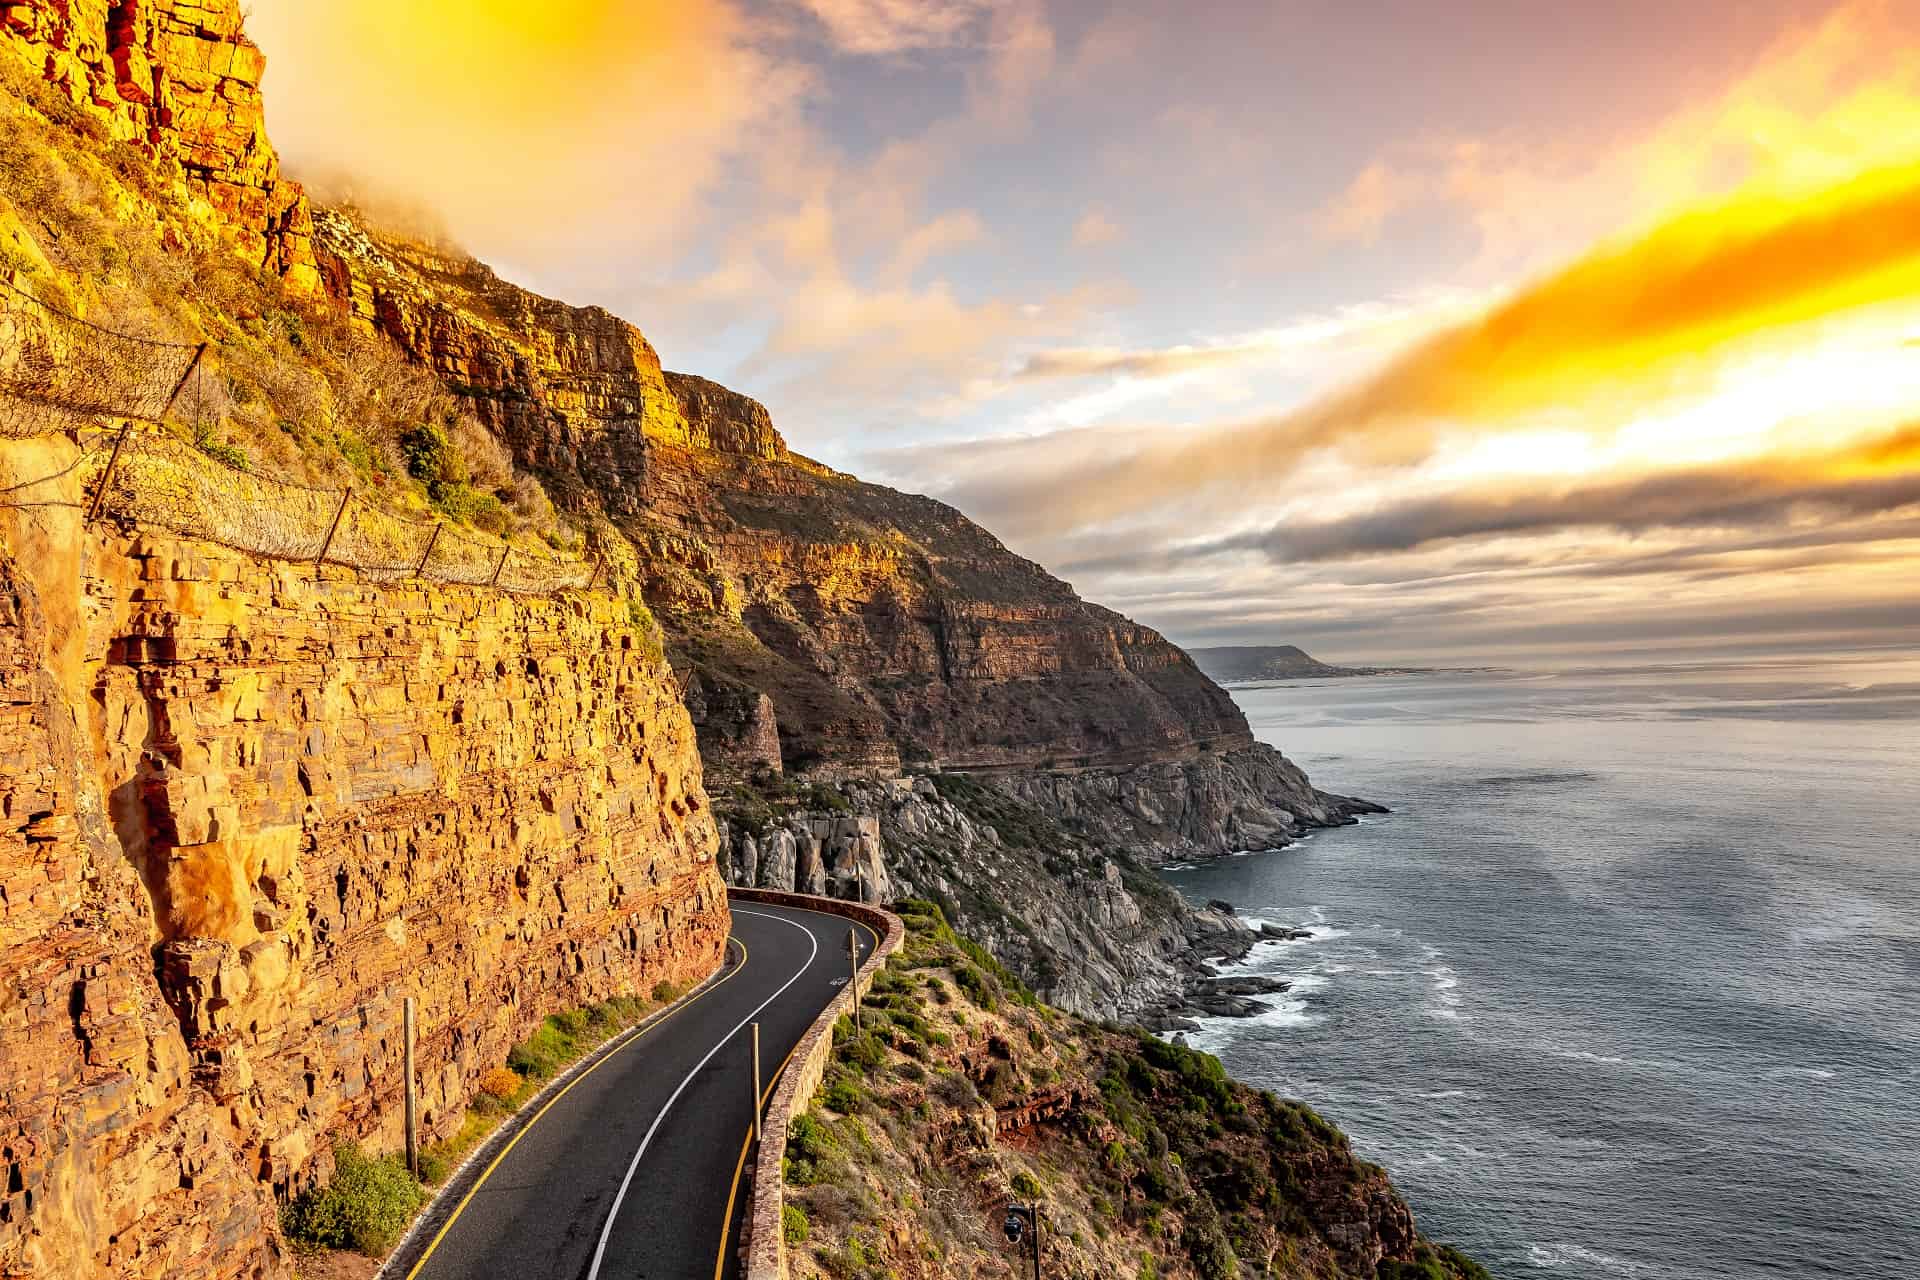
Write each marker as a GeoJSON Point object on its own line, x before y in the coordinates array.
{"type": "Point", "coordinates": [61, 373]}
{"type": "Point", "coordinates": [58, 370]}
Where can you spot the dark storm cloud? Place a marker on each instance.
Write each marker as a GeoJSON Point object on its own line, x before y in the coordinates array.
{"type": "Point", "coordinates": [1753, 497]}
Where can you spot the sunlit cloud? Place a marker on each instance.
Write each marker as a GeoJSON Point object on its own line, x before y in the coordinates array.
{"type": "Point", "coordinates": [896, 26]}
{"type": "Point", "coordinates": [1878, 477]}
{"type": "Point", "coordinates": [527, 129]}
{"type": "Point", "coordinates": [1660, 326]}
{"type": "Point", "coordinates": [1096, 229]}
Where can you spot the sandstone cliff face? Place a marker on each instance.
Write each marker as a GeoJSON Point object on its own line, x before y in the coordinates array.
{"type": "Point", "coordinates": [885, 628]}
{"type": "Point", "coordinates": [255, 809]}
{"type": "Point", "coordinates": [179, 79]}
{"type": "Point", "coordinates": [837, 631]}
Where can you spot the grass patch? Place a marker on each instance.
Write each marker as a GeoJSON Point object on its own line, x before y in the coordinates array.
{"type": "Point", "coordinates": [560, 1040]}
{"type": "Point", "coordinates": [365, 1208]}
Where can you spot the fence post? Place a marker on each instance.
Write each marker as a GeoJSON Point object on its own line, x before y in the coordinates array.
{"type": "Point", "coordinates": [321, 559]}
{"type": "Point", "coordinates": [181, 385]}
{"type": "Point", "coordinates": [853, 957]}
{"type": "Point", "coordinates": [594, 577]}
{"type": "Point", "coordinates": [113, 460]}
{"type": "Point", "coordinates": [413, 1102]}
{"type": "Point", "coordinates": [431, 539]}
{"type": "Point", "coordinates": [497, 568]}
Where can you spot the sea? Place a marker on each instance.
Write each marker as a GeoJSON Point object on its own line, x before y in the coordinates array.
{"type": "Point", "coordinates": [1628, 983]}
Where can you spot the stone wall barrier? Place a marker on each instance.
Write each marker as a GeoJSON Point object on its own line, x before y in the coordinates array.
{"type": "Point", "coordinates": [766, 1243]}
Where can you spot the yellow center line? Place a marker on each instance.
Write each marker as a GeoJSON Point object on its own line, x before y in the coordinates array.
{"type": "Point", "coordinates": [515, 1140]}
{"type": "Point", "coordinates": [746, 1140]}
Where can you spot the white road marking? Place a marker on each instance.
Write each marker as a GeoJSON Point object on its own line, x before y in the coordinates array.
{"type": "Point", "coordinates": [606, 1232]}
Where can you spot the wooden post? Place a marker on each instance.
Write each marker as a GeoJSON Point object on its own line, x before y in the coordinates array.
{"type": "Point", "coordinates": [853, 958]}
{"type": "Point", "coordinates": [113, 460]}
{"type": "Point", "coordinates": [431, 539]}
{"type": "Point", "coordinates": [497, 568]}
{"type": "Point", "coordinates": [333, 528]}
{"type": "Point", "coordinates": [594, 577]}
{"type": "Point", "coordinates": [756, 1082]}
{"type": "Point", "coordinates": [413, 1102]}
{"type": "Point", "coordinates": [1036, 1241]}
{"type": "Point", "coordinates": [181, 385]}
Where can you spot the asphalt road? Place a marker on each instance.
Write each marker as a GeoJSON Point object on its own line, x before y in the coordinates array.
{"type": "Point", "coordinates": [633, 1173]}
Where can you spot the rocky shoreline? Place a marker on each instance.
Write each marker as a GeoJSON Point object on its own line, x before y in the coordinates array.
{"type": "Point", "coordinates": [1211, 994]}
{"type": "Point", "coordinates": [1068, 895]}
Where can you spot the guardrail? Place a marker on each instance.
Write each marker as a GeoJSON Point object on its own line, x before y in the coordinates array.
{"type": "Point", "coordinates": [766, 1243]}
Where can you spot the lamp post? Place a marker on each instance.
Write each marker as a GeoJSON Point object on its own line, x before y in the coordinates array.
{"type": "Point", "coordinates": [1022, 1221]}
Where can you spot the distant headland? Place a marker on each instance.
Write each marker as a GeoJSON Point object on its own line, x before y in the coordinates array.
{"type": "Point", "coordinates": [1238, 664]}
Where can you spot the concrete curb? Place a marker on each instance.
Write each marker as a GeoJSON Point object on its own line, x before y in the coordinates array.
{"type": "Point", "coordinates": [766, 1240]}
{"type": "Point", "coordinates": [438, 1210]}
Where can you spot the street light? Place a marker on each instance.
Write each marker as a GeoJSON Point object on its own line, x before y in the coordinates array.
{"type": "Point", "coordinates": [1021, 1221]}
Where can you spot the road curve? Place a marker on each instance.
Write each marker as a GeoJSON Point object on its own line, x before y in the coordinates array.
{"type": "Point", "coordinates": [633, 1171]}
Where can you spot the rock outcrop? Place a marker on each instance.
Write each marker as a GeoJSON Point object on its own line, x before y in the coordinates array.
{"type": "Point", "coordinates": [248, 810]}
{"type": "Point", "coordinates": [180, 80]}
{"type": "Point", "coordinates": [831, 632]}
{"type": "Point", "coordinates": [1084, 922]}
{"type": "Point", "coordinates": [960, 1098]}
{"type": "Point", "coordinates": [886, 629]}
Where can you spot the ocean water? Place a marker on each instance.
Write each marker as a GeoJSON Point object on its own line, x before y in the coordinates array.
{"type": "Point", "coordinates": [1628, 985]}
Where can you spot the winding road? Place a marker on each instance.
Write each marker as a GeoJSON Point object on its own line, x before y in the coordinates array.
{"type": "Point", "coordinates": [634, 1169]}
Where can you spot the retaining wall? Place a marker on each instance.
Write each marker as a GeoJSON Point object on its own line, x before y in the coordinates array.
{"type": "Point", "coordinates": [766, 1242]}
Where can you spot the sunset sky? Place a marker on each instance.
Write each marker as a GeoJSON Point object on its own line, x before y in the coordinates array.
{"type": "Point", "coordinates": [1397, 330]}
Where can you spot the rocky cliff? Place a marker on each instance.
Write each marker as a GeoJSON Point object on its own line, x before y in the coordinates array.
{"type": "Point", "coordinates": [881, 628]}
{"type": "Point", "coordinates": [179, 81]}
{"type": "Point", "coordinates": [840, 634]}
{"type": "Point", "coordinates": [246, 811]}
{"type": "Point", "coordinates": [253, 808]}
{"type": "Point", "coordinates": [960, 1096]}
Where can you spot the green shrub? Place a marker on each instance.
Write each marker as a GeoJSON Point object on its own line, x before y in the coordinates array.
{"type": "Point", "coordinates": [813, 1153]}
{"type": "Point", "coordinates": [435, 1165]}
{"type": "Point", "coordinates": [793, 1224]}
{"type": "Point", "coordinates": [210, 444]}
{"type": "Point", "coordinates": [844, 1096]}
{"type": "Point", "coordinates": [432, 458]}
{"type": "Point", "coordinates": [365, 1208]}
{"type": "Point", "coordinates": [1433, 1262]}
{"type": "Point", "coordinates": [1207, 1245]}
{"type": "Point", "coordinates": [435, 461]}
{"type": "Point", "coordinates": [1026, 1186]}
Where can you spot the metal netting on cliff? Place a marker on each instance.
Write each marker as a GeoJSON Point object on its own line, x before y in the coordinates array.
{"type": "Point", "coordinates": [166, 484]}
{"type": "Point", "coordinates": [61, 373]}
{"type": "Point", "coordinates": [161, 482]}
{"type": "Point", "coordinates": [57, 370]}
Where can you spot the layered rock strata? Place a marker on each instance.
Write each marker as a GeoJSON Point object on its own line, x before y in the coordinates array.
{"type": "Point", "coordinates": [180, 80]}
{"type": "Point", "coordinates": [842, 633]}
{"type": "Point", "coordinates": [249, 810]}
{"type": "Point", "coordinates": [885, 629]}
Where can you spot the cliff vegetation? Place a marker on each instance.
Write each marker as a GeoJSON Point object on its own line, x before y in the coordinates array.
{"type": "Point", "coordinates": [960, 1095]}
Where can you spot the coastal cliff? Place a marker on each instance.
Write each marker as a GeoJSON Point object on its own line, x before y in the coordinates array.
{"type": "Point", "coordinates": [251, 805]}
{"type": "Point", "coordinates": [959, 1096]}
{"type": "Point", "coordinates": [835, 633]}
{"type": "Point", "coordinates": [250, 810]}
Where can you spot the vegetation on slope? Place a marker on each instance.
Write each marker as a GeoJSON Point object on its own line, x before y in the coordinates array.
{"type": "Point", "coordinates": [960, 1095]}
{"type": "Point", "coordinates": [292, 386]}
{"type": "Point", "coordinates": [367, 1204]}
